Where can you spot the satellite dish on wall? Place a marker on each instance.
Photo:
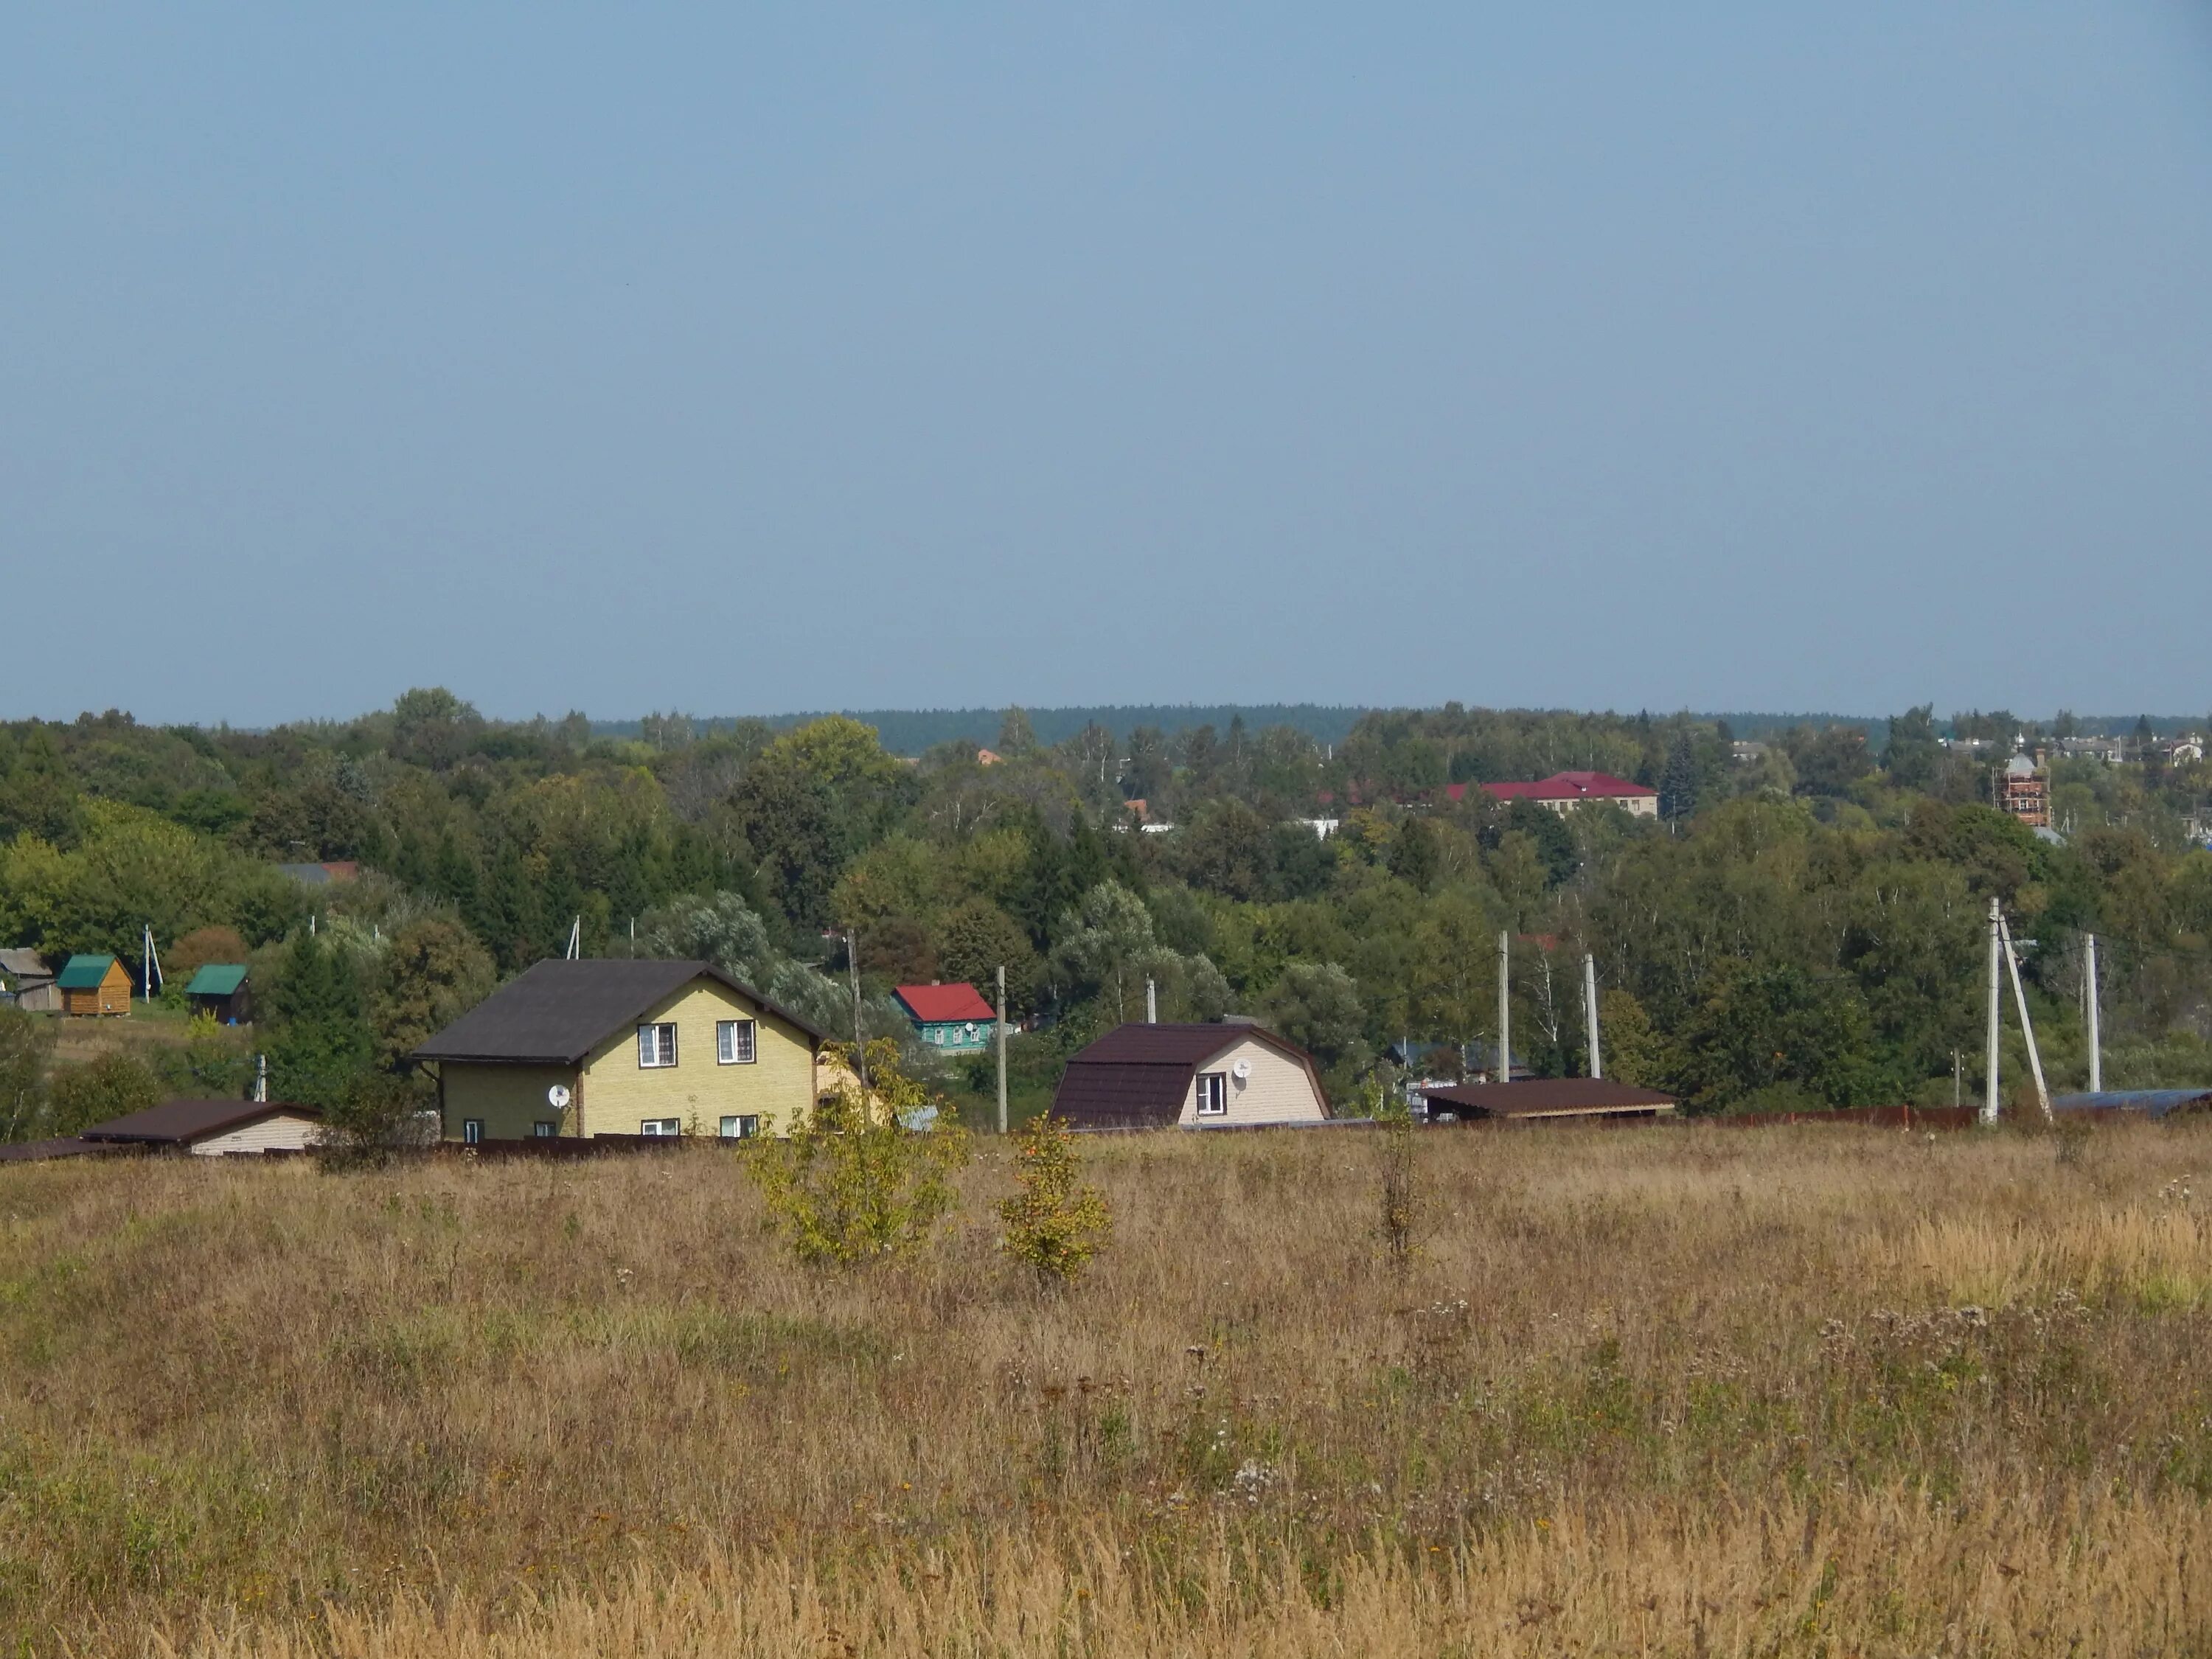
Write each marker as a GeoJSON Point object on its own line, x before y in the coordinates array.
{"type": "Point", "coordinates": [1241, 1070]}
{"type": "Point", "coordinates": [557, 1096]}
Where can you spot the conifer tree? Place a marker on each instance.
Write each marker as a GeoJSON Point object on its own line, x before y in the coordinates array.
{"type": "Point", "coordinates": [1678, 784]}
{"type": "Point", "coordinates": [323, 1043]}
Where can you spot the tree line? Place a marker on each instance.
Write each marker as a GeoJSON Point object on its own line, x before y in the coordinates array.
{"type": "Point", "coordinates": [1800, 927]}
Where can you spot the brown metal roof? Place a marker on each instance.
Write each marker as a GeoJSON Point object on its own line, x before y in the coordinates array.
{"type": "Point", "coordinates": [1137, 1075]}
{"type": "Point", "coordinates": [1550, 1096]}
{"type": "Point", "coordinates": [558, 1012]}
{"type": "Point", "coordinates": [175, 1121]}
{"type": "Point", "coordinates": [39, 1152]}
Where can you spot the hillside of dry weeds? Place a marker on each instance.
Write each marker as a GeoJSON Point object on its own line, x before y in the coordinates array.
{"type": "Point", "coordinates": [1804, 1390]}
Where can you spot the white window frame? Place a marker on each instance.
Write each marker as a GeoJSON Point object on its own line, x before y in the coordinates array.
{"type": "Point", "coordinates": [1213, 1085]}
{"type": "Point", "coordinates": [725, 1033]}
{"type": "Point", "coordinates": [747, 1125]}
{"type": "Point", "coordinates": [472, 1132]}
{"type": "Point", "coordinates": [544, 1129]}
{"type": "Point", "coordinates": [652, 1055]}
{"type": "Point", "coordinates": [663, 1128]}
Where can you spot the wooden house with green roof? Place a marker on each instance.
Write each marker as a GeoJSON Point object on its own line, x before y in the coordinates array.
{"type": "Point", "coordinates": [220, 989]}
{"type": "Point", "coordinates": [94, 985]}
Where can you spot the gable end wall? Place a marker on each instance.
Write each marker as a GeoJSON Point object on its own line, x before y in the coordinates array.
{"type": "Point", "coordinates": [1280, 1090]}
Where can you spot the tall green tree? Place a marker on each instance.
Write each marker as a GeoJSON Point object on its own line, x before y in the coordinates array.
{"type": "Point", "coordinates": [321, 1042]}
{"type": "Point", "coordinates": [1678, 783]}
{"type": "Point", "coordinates": [26, 1046]}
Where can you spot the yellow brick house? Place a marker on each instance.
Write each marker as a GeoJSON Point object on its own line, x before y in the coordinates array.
{"type": "Point", "coordinates": [603, 1047]}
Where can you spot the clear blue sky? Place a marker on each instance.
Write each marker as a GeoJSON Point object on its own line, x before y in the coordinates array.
{"type": "Point", "coordinates": [1714, 355]}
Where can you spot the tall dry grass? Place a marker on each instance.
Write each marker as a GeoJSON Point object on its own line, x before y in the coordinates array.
{"type": "Point", "coordinates": [1799, 1390]}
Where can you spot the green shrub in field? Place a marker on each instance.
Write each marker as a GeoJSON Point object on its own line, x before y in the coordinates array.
{"type": "Point", "coordinates": [1054, 1221]}
{"type": "Point", "coordinates": [113, 1086]}
{"type": "Point", "coordinates": [866, 1175]}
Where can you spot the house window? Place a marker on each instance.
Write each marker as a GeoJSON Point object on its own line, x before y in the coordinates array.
{"type": "Point", "coordinates": [1212, 1093]}
{"type": "Point", "coordinates": [661, 1126]}
{"type": "Point", "coordinates": [542, 1129]}
{"type": "Point", "coordinates": [656, 1044]}
{"type": "Point", "coordinates": [472, 1130]}
{"type": "Point", "coordinates": [734, 1041]}
{"type": "Point", "coordinates": [741, 1128]}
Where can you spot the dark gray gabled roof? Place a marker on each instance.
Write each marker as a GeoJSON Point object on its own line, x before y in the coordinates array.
{"type": "Point", "coordinates": [558, 1012]}
{"type": "Point", "coordinates": [27, 965]}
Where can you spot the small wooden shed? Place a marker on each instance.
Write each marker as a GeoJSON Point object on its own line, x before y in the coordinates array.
{"type": "Point", "coordinates": [27, 982]}
{"type": "Point", "coordinates": [94, 985]}
{"type": "Point", "coordinates": [220, 989]}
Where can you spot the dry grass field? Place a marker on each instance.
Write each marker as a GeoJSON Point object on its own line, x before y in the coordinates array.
{"type": "Point", "coordinates": [1816, 1390]}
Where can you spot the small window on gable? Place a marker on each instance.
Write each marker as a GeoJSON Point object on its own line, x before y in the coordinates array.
{"type": "Point", "coordinates": [1212, 1093]}
{"type": "Point", "coordinates": [734, 1042]}
{"type": "Point", "coordinates": [656, 1045]}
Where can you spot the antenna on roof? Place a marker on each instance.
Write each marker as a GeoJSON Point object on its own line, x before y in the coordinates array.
{"type": "Point", "coordinates": [575, 951]}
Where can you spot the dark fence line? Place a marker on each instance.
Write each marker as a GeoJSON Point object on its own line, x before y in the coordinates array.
{"type": "Point", "coordinates": [567, 1148]}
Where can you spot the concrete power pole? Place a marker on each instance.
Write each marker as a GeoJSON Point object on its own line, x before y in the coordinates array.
{"type": "Point", "coordinates": [2027, 1025]}
{"type": "Point", "coordinates": [2096, 1047]}
{"type": "Point", "coordinates": [1996, 971]}
{"type": "Point", "coordinates": [1590, 1010]}
{"type": "Point", "coordinates": [1505, 1007]}
{"type": "Point", "coordinates": [1151, 1003]}
{"type": "Point", "coordinates": [1002, 1048]}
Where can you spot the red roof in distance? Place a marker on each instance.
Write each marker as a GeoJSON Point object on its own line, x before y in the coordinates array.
{"type": "Point", "coordinates": [934, 1005]}
{"type": "Point", "coordinates": [1560, 786]}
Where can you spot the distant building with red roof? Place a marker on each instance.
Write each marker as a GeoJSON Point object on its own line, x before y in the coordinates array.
{"type": "Point", "coordinates": [953, 1017]}
{"type": "Point", "coordinates": [1563, 792]}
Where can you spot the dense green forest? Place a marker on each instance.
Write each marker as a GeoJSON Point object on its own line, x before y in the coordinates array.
{"type": "Point", "coordinates": [1802, 927]}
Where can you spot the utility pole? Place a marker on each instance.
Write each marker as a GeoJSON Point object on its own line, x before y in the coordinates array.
{"type": "Point", "coordinates": [1996, 952]}
{"type": "Point", "coordinates": [2026, 1026]}
{"type": "Point", "coordinates": [1505, 1007]}
{"type": "Point", "coordinates": [1590, 1010]}
{"type": "Point", "coordinates": [1002, 1048]}
{"type": "Point", "coordinates": [2096, 1047]}
{"type": "Point", "coordinates": [1151, 1003]}
{"type": "Point", "coordinates": [859, 1048]}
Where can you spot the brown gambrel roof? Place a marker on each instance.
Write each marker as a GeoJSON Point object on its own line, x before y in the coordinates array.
{"type": "Point", "coordinates": [1549, 1096]}
{"type": "Point", "coordinates": [1138, 1076]}
{"type": "Point", "coordinates": [558, 1012]}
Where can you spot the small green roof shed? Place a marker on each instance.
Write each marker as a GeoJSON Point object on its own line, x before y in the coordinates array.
{"type": "Point", "coordinates": [220, 989]}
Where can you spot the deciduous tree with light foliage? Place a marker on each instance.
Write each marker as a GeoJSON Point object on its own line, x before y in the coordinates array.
{"type": "Point", "coordinates": [867, 1175]}
{"type": "Point", "coordinates": [1055, 1221]}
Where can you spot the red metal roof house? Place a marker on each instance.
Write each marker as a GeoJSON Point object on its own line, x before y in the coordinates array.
{"type": "Point", "coordinates": [1564, 790]}
{"type": "Point", "coordinates": [953, 1018]}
